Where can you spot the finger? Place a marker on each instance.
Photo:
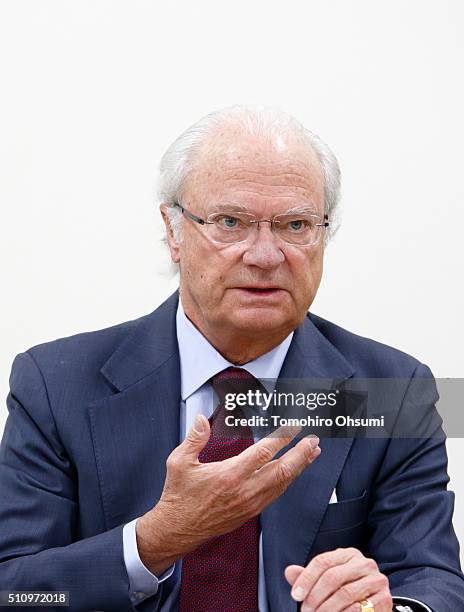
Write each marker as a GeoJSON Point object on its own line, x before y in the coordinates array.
{"type": "Point", "coordinates": [376, 602]}
{"type": "Point", "coordinates": [270, 483]}
{"type": "Point", "coordinates": [295, 460]}
{"type": "Point", "coordinates": [382, 601]}
{"type": "Point", "coordinates": [272, 480]}
{"type": "Point", "coordinates": [290, 465]}
{"type": "Point", "coordinates": [196, 439]}
{"type": "Point", "coordinates": [257, 455]}
{"type": "Point", "coordinates": [338, 579]}
{"type": "Point", "coordinates": [351, 594]}
{"type": "Point", "coordinates": [317, 567]}
{"type": "Point", "coordinates": [292, 572]}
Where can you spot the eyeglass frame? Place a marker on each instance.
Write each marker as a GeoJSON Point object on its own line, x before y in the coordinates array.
{"type": "Point", "coordinates": [201, 221]}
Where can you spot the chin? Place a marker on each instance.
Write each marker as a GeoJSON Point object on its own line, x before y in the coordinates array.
{"type": "Point", "coordinates": [263, 320]}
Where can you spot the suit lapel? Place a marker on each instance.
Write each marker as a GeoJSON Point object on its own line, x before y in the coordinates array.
{"type": "Point", "coordinates": [135, 430]}
{"type": "Point", "coordinates": [290, 524]}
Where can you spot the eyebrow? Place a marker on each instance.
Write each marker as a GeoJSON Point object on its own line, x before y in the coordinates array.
{"type": "Point", "coordinates": [230, 207]}
{"type": "Point", "coordinates": [305, 208]}
{"type": "Point", "coordinates": [234, 207]}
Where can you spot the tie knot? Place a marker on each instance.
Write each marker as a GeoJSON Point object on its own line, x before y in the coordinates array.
{"type": "Point", "coordinates": [233, 380]}
{"type": "Point", "coordinates": [231, 373]}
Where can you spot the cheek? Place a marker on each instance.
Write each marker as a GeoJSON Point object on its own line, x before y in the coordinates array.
{"type": "Point", "coordinates": [200, 268]}
{"type": "Point", "coordinates": [316, 269]}
{"type": "Point", "coordinates": [192, 259]}
{"type": "Point", "coordinates": [316, 260]}
{"type": "Point", "coordinates": [308, 275]}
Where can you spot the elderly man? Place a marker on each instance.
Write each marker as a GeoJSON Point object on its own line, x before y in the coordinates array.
{"type": "Point", "coordinates": [117, 485]}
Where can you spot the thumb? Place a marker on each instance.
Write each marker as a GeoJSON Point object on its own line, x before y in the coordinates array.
{"type": "Point", "coordinates": [292, 572]}
{"type": "Point", "coordinates": [197, 437]}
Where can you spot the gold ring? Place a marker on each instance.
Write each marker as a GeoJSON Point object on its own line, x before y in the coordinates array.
{"type": "Point", "coordinates": [367, 605]}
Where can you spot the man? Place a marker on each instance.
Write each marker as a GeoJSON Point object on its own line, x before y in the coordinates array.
{"type": "Point", "coordinates": [116, 485]}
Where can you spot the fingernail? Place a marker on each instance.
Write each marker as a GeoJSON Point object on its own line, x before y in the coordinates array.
{"type": "Point", "coordinates": [298, 594]}
{"type": "Point", "coordinates": [313, 442]}
{"type": "Point", "coordinates": [199, 425]}
{"type": "Point", "coordinates": [306, 608]}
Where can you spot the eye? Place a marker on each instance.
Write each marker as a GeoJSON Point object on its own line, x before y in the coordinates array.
{"type": "Point", "coordinates": [297, 225]}
{"type": "Point", "coordinates": [227, 222]}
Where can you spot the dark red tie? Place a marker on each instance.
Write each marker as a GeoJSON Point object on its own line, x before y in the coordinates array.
{"type": "Point", "coordinates": [222, 574]}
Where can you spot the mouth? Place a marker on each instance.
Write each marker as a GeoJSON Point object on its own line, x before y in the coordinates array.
{"type": "Point", "coordinates": [260, 291]}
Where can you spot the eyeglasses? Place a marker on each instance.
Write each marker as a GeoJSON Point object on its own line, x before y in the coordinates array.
{"type": "Point", "coordinates": [302, 229]}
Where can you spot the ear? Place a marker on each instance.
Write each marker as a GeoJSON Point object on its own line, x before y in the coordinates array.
{"type": "Point", "coordinates": [174, 246]}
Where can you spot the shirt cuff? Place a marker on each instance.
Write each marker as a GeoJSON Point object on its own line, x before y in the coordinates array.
{"type": "Point", "coordinates": [404, 601]}
{"type": "Point", "coordinates": [142, 582]}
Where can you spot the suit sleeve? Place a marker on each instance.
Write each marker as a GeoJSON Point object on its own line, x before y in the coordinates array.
{"type": "Point", "coordinates": [410, 522]}
{"type": "Point", "coordinates": [39, 508]}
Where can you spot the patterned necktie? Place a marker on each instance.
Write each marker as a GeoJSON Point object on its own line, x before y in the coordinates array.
{"type": "Point", "coordinates": [221, 575]}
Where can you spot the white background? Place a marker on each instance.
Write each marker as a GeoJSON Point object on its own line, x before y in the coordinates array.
{"type": "Point", "coordinates": [93, 91]}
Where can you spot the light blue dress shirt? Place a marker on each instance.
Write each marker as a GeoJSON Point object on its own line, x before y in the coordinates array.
{"type": "Point", "coordinates": [199, 362]}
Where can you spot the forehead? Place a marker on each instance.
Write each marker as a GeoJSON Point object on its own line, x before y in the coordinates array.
{"type": "Point", "coordinates": [269, 174]}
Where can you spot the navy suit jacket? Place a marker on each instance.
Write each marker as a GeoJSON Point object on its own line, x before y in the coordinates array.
{"type": "Point", "coordinates": [92, 419]}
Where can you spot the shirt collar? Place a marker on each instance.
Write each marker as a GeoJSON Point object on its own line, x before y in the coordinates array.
{"type": "Point", "coordinates": [199, 360]}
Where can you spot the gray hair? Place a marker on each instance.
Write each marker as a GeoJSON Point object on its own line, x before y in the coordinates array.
{"type": "Point", "coordinates": [176, 163]}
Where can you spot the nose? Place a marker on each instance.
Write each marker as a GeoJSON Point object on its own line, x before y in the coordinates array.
{"type": "Point", "coordinates": [263, 250]}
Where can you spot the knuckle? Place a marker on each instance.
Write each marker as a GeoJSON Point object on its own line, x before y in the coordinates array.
{"type": "Point", "coordinates": [372, 565]}
{"type": "Point", "coordinates": [264, 454]}
{"type": "Point", "coordinates": [173, 461]}
{"type": "Point", "coordinates": [309, 453]}
{"type": "Point", "coordinates": [348, 593]}
{"type": "Point", "coordinates": [192, 436]}
{"type": "Point", "coordinates": [323, 561]}
{"type": "Point", "coordinates": [386, 599]}
{"type": "Point", "coordinates": [384, 583]}
{"type": "Point", "coordinates": [378, 581]}
{"type": "Point", "coordinates": [334, 577]}
{"type": "Point", "coordinates": [284, 474]}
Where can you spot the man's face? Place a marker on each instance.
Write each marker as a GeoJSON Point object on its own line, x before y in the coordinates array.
{"type": "Point", "coordinates": [263, 285]}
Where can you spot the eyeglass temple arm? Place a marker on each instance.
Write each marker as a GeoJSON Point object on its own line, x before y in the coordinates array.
{"type": "Point", "coordinates": [326, 222]}
{"type": "Point", "coordinates": [191, 215]}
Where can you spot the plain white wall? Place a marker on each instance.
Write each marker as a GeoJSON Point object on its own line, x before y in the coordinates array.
{"type": "Point", "coordinates": [93, 91]}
